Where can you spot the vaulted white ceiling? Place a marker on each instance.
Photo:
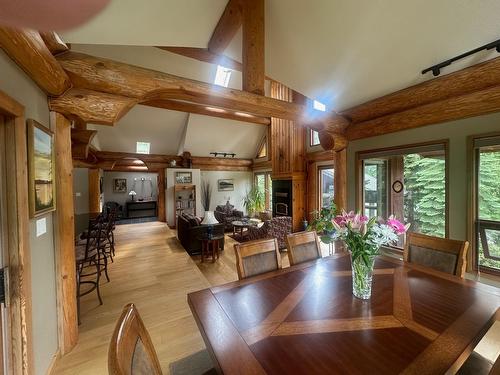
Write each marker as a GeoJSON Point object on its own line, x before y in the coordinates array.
{"type": "Point", "coordinates": [342, 52]}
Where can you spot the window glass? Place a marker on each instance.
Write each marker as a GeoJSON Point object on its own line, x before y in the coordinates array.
{"type": "Point", "coordinates": [264, 183]}
{"type": "Point", "coordinates": [488, 207]}
{"type": "Point", "coordinates": [375, 188]}
{"type": "Point", "coordinates": [314, 138]}
{"type": "Point", "coordinates": [326, 186]}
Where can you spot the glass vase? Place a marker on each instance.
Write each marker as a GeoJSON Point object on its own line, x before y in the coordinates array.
{"type": "Point", "coordinates": [362, 277]}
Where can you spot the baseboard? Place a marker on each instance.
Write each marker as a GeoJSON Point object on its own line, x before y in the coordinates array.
{"type": "Point", "coordinates": [53, 362]}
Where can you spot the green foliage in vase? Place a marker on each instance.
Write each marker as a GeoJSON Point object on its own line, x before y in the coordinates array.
{"type": "Point", "coordinates": [322, 222]}
{"type": "Point", "coordinates": [254, 200]}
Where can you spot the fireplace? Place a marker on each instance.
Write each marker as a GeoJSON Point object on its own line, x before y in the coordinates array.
{"type": "Point", "coordinates": [282, 198]}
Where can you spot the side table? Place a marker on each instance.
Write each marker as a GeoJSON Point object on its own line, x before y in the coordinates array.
{"type": "Point", "coordinates": [210, 245]}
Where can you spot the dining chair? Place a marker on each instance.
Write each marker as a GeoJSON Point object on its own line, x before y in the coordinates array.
{"type": "Point", "coordinates": [440, 254]}
{"type": "Point", "coordinates": [257, 257]}
{"type": "Point", "coordinates": [131, 351]}
{"type": "Point", "coordinates": [303, 247]}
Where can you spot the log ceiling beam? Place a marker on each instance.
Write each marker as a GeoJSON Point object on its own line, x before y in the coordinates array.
{"type": "Point", "coordinates": [468, 80]}
{"type": "Point", "coordinates": [124, 81]}
{"type": "Point", "coordinates": [80, 142]}
{"type": "Point", "coordinates": [253, 46]}
{"type": "Point", "coordinates": [28, 50]}
{"type": "Point", "coordinates": [86, 106]}
{"type": "Point", "coordinates": [54, 42]}
{"type": "Point", "coordinates": [454, 108]}
{"type": "Point", "coordinates": [226, 28]}
{"type": "Point", "coordinates": [204, 54]}
{"type": "Point", "coordinates": [176, 105]}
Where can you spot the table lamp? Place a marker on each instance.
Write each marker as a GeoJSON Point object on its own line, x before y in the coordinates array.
{"type": "Point", "coordinates": [210, 221]}
{"type": "Point", "coordinates": [133, 194]}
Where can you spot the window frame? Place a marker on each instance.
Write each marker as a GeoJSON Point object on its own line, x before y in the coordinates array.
{"type": "Point", "coordinates": [267, 177]}
{"type": "Point", "coordinates": [472, 204]}
{"type": "Point", "coordinates": [320, 182]}
{"type": "Point", "coordinates": [359, 179]}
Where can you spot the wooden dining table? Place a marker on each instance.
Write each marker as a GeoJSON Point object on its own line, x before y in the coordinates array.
{"type": "Point", "coordinates": [305, 320]}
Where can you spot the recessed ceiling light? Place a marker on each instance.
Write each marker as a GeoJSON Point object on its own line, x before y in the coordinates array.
{"type": "Point", "coordinates": [243, 114]}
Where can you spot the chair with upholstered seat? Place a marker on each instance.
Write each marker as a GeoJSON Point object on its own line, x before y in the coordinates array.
{"type": "Point", "coordinates": [257, 257]}
{"type": "Point", "coordinates": [303, 247]}
{"type": "Point", "coordinates": [131, 351]}
{"type": "Point", "coordinates": [440, 254]}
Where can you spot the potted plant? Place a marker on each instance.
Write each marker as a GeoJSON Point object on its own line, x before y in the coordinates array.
{"type": "Point", "coordinates": [254, 201]}
{"type": "Point", "coordinates": [363, 238]}
{"type": "Point", "coordinates": [322, 222]}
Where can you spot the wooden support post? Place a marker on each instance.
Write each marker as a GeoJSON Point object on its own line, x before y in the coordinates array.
{"type": "Point", "coordinates": [161, 195]}
{"type": "Point", "coordinates": [94, 191]}
{"type": "Point", "coordinates": [253, 46]}
{"type": "Point", "coordinates": [227, 27]}
{"type": "Point", "coordinates": [340, 179]}
{"type": "Point", "coordinates": [65, 236]}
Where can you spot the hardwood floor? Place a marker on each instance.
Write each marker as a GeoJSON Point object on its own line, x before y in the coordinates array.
{"type": "Point", "coordinates": [152, 270]}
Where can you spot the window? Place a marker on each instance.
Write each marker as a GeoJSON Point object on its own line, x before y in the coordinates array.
{"type": "Point", "coordinates": [326, 187]}
{"type": "Point", "coordinates": [408, 182]}
{"type": "Point", "coordinates": [313, 134]}
{"type": "Point", "coordinates": [222, 76]}
{"type": "Point", "coordinates": [142, 147]}
{"type": "Point", "coordinates": [262, 153]}
{"type": "Point", "coordinates": [487, 203]}
{"type": "Point", "coordinates": [264, 183]}
{"type": "Point", "coordinates": [314, 138]}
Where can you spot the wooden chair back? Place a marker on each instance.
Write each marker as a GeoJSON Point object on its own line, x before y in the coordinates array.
{"type": "Point", "coordinates": [303, 247]}
{"type": "Point", "coordinates": [131, 351]}
{"type": "Point", "coordinates": [441, 254]}
{"type": "Point", "coordinates": [257, 257]}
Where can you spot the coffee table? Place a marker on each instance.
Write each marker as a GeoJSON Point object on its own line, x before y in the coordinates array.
{"type": "Point", "coordinates": [239, 226]}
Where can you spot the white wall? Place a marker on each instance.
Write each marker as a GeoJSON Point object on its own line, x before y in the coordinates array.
{"type": "Point", "coordinates": [169, 192]}
{"type": "Point", "coordinates": [144, 189]}
{"type": "Point", "coordinates": [81, 190]}
{"type": "Point", "coordinates": [242, 184]}
{"type": "Point", "coordinates": [17, 85]}
{"type": "Point", "coordinates": [457, 133]}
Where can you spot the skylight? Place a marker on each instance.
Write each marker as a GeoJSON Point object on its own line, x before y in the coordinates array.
{"type": "Point", "coordinates": [222, 76]}
{"type": "Point", "coordinates": [319, 106]}
{"type": "Point", "coordinates": [143, 147]}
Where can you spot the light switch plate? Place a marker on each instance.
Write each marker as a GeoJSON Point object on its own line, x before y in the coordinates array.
{"type": "Point", "coordinates": [78, 194]}
{"type": "Point", "coordinates": [41, 226]}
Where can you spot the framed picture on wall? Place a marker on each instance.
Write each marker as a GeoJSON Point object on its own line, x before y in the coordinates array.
{"type": "Point", "coordinates": [119, 185]}
{"type": "Point", "coordinates": [41, 165]}
{"type": "Point", "coordinates": [183, 178]}
{"type": "Point", "coordinates": [225, 185]}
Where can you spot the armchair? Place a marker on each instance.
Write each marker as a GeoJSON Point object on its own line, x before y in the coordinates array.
{"type": "Point", "coordinates": [226, 214]}
{"type": "Point", "coordinates": [278, 227]}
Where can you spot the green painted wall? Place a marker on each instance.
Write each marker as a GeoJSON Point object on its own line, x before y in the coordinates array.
{"type": "Point", "coordinates": [456, 132]}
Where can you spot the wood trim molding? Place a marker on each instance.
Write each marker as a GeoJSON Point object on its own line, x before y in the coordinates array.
{"type": "Point", "coordinates": [65, 236]}
{"type": "Point", "coordinates": [340, 179]}
{"type": "Point", "coordinates": [20, 309]}
{"type": "Point", "coordinates": [28, 50]}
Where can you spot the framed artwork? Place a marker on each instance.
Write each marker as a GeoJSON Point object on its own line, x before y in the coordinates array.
{"type": "Point", "coordinates": [119, 185]}
{"type": "Point", "coordinates": [41, 164]}
{"type": "Point", "coordinates": [225, 185]}
{"type": "Point", "coordinates": [183, 178]}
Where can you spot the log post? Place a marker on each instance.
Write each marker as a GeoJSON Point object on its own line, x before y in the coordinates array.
{"type": "Point", "coordinates": [340, 179]}
{"type": "Point", "coordinates": [65, 236]}
{"type": "Point", "coordinates": [253, 46]}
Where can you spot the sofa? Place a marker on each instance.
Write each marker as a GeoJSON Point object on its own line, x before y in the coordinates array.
{"type": "Point", "coordinates": [226, 214]}
{"type": "Point", "coordinates": [278, 227]}
{"type": "Point", "coordinates": [189, 231]}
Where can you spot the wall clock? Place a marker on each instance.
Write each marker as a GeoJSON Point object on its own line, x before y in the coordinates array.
{"type": "Point", "coordinates": [397, 186]}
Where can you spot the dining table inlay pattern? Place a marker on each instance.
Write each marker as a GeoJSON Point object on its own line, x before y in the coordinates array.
{"type": "Point", "coordinates": [306, 319]}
